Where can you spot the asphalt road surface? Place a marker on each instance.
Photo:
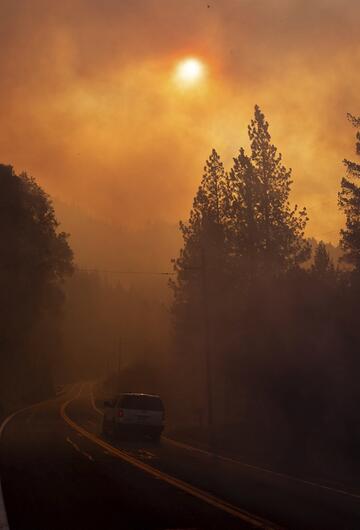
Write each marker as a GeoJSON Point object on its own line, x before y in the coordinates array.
{"type": "Point", "coordinates": [58, 472]}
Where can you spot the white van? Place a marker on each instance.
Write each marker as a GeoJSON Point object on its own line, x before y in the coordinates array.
{"type": "Point", "coordinates": [132, 413]}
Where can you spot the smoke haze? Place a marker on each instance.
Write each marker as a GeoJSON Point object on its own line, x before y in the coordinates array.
{"type": "Point", "coordinates": [90, 108]}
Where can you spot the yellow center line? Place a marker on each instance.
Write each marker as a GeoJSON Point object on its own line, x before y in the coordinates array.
{"type": "Point", "coordinates": [210, 499]}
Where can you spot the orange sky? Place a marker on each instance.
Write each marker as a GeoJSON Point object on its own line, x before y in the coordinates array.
{"type": "Point", "coordinates": [90, 108]}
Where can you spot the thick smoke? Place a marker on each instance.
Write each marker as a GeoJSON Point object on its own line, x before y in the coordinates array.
{"type": "Point", "coordinates": [88, 104]}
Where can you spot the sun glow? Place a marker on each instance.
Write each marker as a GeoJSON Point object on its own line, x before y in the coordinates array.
{"type": "Point", "coordinates": [190, 71]}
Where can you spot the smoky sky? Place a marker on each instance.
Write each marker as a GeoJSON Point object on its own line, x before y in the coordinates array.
{"type": "Point", "coordinates": [89, 107]}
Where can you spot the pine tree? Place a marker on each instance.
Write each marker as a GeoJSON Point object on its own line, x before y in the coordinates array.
{"type": "Point", "coordinates": [198, 301]}
{"type": "Point", "coordinates": [242, 228]}
{"type": "Point", "coordinates": [204, 231]}
{"type": "Point", "coordinates": [281, 228]}
{"type": "Point", "coordinates": [204, 240]}
{"type": "Point", "coordinates": [323, 265]}
{"type": "Point", "coordinates": [349, 202]}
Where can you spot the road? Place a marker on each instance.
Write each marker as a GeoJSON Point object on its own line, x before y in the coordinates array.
{"type": "Point", "coordinates": [58, 472]}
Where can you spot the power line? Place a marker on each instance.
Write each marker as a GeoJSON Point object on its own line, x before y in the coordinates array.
{"type": "Point", "coordinates": [114, 271]}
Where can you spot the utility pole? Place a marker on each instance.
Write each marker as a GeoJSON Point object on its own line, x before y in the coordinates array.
{"type": "Point", "coordinates": [206, 335]}
{"type": "Point", "coordinates": [108, 364]}
{"type": "Point", "coordinates": [119, 361]}
{"type": "Point", "coordinates": [207, 346]}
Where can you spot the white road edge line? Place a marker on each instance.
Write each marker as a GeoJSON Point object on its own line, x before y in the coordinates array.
{"type": "Point", "coordinates": [263, 470]}
{"type": "Point", "coordinates": [4, 524]}
{"type": "Point", "coordinates": [189, 447]}
{"type": "Point", "coordinates": [235, 511]}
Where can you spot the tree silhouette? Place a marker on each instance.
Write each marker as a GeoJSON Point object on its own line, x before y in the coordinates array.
{"type": "Point", "coordinates": [240, 243]}
{"type": "Point", "coordinates": [322, 266]}
{"type": "Point", "coordinates": [203, 236]}
{"type": "Point", "coordinates": [281, 227]}
{"type": "Point", "coordinates": [34, 260]}
{"type": "Point", "coordinates": [349, 202]}
{"type": "Point", "coordinates": [244, 189]}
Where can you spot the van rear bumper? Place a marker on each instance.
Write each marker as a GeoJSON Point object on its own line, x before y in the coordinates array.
{"type": "Point", "coordinates": [139, 430]}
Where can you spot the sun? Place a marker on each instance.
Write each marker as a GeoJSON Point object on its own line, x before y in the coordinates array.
{"type": "Point", "coordinates": [189, 71]}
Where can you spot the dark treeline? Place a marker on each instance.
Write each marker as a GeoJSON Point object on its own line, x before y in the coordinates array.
{"type": "Point", "coordinates": [35, 258]}
{"type": "Point", "coordinates": [59, 324]}
{"type": "Point", "coordinates": [281, 335]}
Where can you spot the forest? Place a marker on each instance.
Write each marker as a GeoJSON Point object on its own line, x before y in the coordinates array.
{"type": "Point", "coordinates": [251, 338]}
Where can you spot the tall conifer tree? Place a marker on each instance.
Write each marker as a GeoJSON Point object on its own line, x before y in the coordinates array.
{"type": "Point", "coordinates": [323, 266]}
{"type": "Point", "coordinates": [349, 202]}
{"type": "Point", "coordinates": [242, 220]}
{"type": "Point", "coordinates": [281, 226]}
{"type": "Point", "coordinates": [204, 240]}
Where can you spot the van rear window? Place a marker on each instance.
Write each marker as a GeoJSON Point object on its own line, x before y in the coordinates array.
{"type": "Point", "coordinates": [141, 403]}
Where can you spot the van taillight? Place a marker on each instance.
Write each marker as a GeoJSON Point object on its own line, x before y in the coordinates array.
{"type": "Point", "coordinates": [120, 413]}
